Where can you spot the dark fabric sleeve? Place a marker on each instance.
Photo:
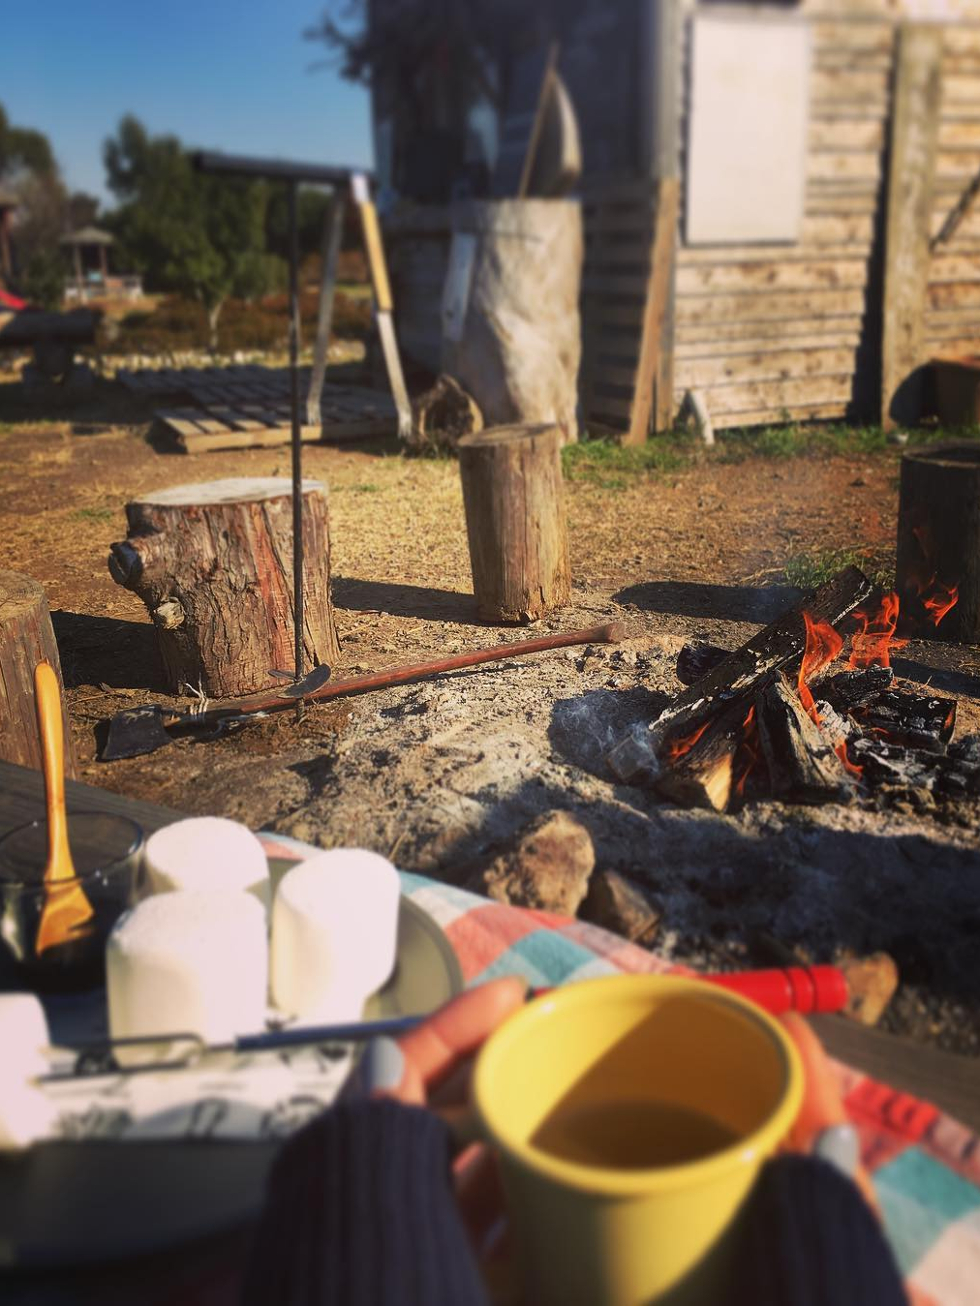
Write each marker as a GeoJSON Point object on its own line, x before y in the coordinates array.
{"type": "Point", "coordinates": [360, 1211]}
{"type": "Point", "coordinates": [810, 1239]}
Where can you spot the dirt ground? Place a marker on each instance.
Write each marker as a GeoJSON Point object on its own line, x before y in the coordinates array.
{"type": "Point", "coordinates": [439, 774]}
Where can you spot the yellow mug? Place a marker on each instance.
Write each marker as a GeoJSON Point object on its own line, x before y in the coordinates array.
{"type": "Point", "coordinates": [631, 1115]}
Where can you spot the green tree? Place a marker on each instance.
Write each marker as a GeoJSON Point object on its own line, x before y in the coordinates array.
{"type": "Point", "coordinates": [22, 149]}
{"type": "Point", "coordinates": [200, 236]}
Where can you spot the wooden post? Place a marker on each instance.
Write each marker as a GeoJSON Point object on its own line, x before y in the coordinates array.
{"type": "Point", "coordinates": [515, 521]}
{"type": "Point", "coordinates": [914, 130]}
{"type": "Point", "coordinates": [653, 388]}
{"type": "Point", "coordinates": [939, 541]}
{"type": "Point", "coordinates": [26, 638]}
{"type": "Point", "coordinates": [213, 564]}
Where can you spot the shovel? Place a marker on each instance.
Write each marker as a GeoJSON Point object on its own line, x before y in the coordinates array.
{"type": "Point", "coordinates": [141, 730]}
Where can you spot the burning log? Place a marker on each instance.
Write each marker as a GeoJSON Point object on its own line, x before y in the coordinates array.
{"type": "Point", "coordinates": [699, 769]}
{"type": "Point", "coordinates": [915, 720]}
{"type": "Point", "coordinates": [802, 761]}
{"type": "Point", "coordinates": [849, 689]}
{"type": "Point", "coordinates": [738, 677]}
{"type": "Point", "coordinates": [912, 769]}
{"type": "Point", "coordinates": [696, 660]}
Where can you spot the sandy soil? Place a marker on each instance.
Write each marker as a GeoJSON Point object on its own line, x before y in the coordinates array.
{"type": "Point", "coordinates": [438, 774]}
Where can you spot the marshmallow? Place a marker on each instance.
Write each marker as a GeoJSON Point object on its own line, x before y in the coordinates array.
{"type": "Point", "coordinates": [23, 1036]}
{"type": "Point", "coordinates": [207, 852]}
{"type": "Point", "coordinates": [196, 961]}
{"type": "Point", "coordinates": [334, 934]}
{"type": "Point", "coordinates": [26, 1114]}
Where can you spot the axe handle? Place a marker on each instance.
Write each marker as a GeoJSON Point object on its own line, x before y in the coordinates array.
{"type": "Point", "coordinates": [610, 634]}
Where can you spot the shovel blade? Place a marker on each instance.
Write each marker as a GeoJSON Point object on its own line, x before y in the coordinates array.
{"type": "Point", "coordinates": [134, 732]}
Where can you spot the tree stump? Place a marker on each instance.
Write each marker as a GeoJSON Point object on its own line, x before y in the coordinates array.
{"type": "Point", "coordinates": [213, 563]}
{"type": "Point", "coordinates": [26, 638]}
{"type": "Point", "coordinates": [515, 521]}
{"type": "Point", "coordinates": [938, 565]}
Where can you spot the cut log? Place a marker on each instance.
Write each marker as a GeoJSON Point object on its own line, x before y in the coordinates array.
{"type": "Point", "coordinates": [938, 563]}
{"type": "Point", "coordinates": [849, 689]}
{"type": "Point", "coordinates": [744, 671]}
{"type": "Point", "coordinates": [801, 759]}
{"type": "Point", "coordinates": [26, 638]}
{"type": "Point", "coordinates": [696, 660]}
{"type": "Point", "coordinates": [908, 769]}
{"type": "Point", "coordinates": [698, 770]}
{"type": "Point", "coordinates": [914, 720]}
{"type": "Point", "coordinates": [515, 521]}
{"type": "Point", "coordinates": [213, 564]}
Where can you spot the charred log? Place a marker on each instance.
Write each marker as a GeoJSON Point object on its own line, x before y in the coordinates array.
{"type": "Point", "coordinates": [742, 673]}
{"type": "Point", "coordinates": [696, 660]}
{"type": "Point", "coordinates": [915, 720]}
{"type": "Point", "coordinates": [891, 766]}
{"type": "Point", "coordinates": [803, 765]}
{"type": "Point", "coordinates": [849, 689]}
{"type": "Point", "coordinates": [698, 769]}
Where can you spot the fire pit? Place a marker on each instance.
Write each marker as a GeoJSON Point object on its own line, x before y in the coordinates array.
{"type": "Point", "coordinates": [750, 724]}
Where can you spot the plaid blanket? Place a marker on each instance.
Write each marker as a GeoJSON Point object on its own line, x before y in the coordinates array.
{"type": "Point", "coordinates": [925, 1166]}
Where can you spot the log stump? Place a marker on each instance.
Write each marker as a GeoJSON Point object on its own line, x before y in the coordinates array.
{"type": "Point", "coordinates": [938, 564]}
{"type": "Point", "coordinates": [515, 521]}
{"type": "Point", "coordinates": [213, 564]}
{"type": "Point", "coordinates": [26, 638]}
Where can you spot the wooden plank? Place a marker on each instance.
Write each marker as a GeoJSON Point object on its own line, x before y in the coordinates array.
{"type": "Point", "coordinates": [949, 268]}
{"type": "Point", "coordinates": [783, 304]}
{"type": "Point", "coordinates": [654, 383]}
{"type": "Point", "coordinates": [776, 395]}
{"type": "Point", "coordinates": [953, 295]}
{"type": "Point", "coordinates": [235, 419]}
{"type": "Point", "coordinates": [778, 416]}
{"type": "Point", "coordinates": [779, 342]}
{"type": "Point", "coordinates": [850, 88]}
{"type": "Point", "coordinates": [862, 38]}
{"type": "Point", "coordinates": [846, 135]}
{"type": "Point", "coordinates": [786, 366]}
{"type": "Point", "coordinates": [843, 166]}
{"type": "Point", "coordinates": [181, 421]}
{"type": "Point", "coordinates": [729, 334]}
{"type": "Point", "coordinates": [915, 125]}
{"type": "Point", "coordinates": [772, 274]}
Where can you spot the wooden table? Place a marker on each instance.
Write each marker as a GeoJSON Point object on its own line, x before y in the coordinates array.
{"type": "Point", "coordinates": [951, 1082]}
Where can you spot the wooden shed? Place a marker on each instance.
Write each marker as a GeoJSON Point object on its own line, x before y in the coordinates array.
{"type": "Point", "coordinates": [778, 204]}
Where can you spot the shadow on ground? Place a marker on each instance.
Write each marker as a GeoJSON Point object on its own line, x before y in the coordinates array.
{"type": "Point", "coordinates": [107, 651]}
{"type": "Point", "coordinates": [404, 600]}
{"type": "Point", "coordinates": [722, 602]}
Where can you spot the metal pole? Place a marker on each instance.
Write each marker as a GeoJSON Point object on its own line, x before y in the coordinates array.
{"type": "Point", "coordinates": [297, 444]}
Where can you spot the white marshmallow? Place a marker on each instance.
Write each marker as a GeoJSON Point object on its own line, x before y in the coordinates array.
{"type": "Point", "coordinates": [334, 934]}
{"type": "Point", "coordinates": [207, 852]}
{"type": "Point", "coordinates": [23, 1036]}
{"type": "Point", "coordinates": [194, 961]}
{"type": "Point", "coordinates": [26, 1114]}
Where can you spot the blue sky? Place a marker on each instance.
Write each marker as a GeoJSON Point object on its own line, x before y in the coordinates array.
{"type": "Point", "coordinates": [225, 74]}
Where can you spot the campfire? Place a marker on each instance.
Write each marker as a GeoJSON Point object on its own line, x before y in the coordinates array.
{"type": "Point", "coordinates": [781, 717]}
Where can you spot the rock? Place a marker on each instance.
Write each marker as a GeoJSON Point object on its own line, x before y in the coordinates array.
{"type": "Point", "coordinates": [872, 982]}
{"type": "Point", "coordinates": [547, 868]}
{"type": "Point", "coordinates": [617, 905]}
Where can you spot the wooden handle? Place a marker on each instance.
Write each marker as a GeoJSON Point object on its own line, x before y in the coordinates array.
{"type": "Point", "coordinates": [376, 255]}
{"type": "Point", "coordinates": [47, 703]}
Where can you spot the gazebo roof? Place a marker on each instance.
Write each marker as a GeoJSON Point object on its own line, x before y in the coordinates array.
{"type": "Point", "coordinates": [88, 236]}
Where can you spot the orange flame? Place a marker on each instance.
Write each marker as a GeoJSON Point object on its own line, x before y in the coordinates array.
{"type": "Point", "coordinates": [938, 602]}
{"type": "Point", "coordinates": [841, 750]}
{"type": "Point", "coordinates": [748, 751]}
{"type": "Point", "coordinates": [823, 644]}
{"type": "Point", "coordinates": [937, 597]}
{"type": "Point", "coordinates": [678, 747]}
{"type": "Point", "coordinates": [872, 643]}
